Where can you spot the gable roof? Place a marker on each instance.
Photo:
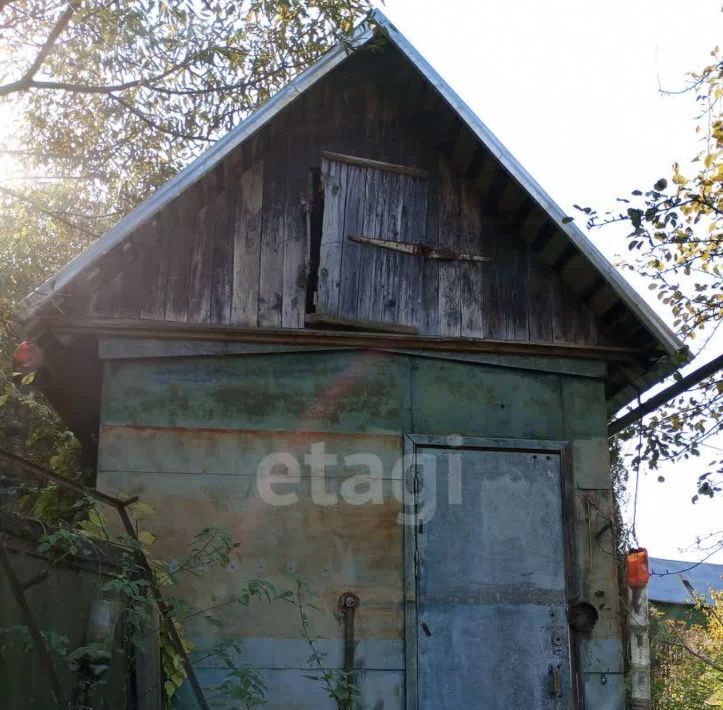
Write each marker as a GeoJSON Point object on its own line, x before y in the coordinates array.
{"type": "Point", "coordinates": [659, 337]}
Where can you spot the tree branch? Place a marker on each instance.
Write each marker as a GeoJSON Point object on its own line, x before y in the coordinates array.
{"type": "Point", "coordinates": [58, 29]}
{"type": "Point", "coordinates": [692, 652]}
{"type": "Point", "coordinates": [48, 212]}
{"type": "Point", "coordinates": [100, 88]}
{"type": "Point", "coordinates": [157, 126]}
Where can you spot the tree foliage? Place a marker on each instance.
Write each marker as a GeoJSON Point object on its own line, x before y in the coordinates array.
{"type": "Point", "coordinates": [108, 99]}
{"type": "Point", "coordinates": [676, 242]}
{"type": "Point", "coordinates": [687, 671]}
{"type": "Point", "coordinates": [120, 95]}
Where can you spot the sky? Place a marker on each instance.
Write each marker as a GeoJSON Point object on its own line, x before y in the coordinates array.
{"type": "Point", "coordinates": [573, 90]}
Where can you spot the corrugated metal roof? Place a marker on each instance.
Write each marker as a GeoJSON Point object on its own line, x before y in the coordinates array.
{"type": "Point", "coordinates": [668, 580]}
{"type": "Point", "coordinates": [653, 324]}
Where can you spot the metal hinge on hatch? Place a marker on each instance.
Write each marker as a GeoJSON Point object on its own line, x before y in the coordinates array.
{"type": "Point", "coordinates": [418, 249]}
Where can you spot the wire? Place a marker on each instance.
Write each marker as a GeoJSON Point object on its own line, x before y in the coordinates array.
{"type": "Point", "coordinates": [633, 531]}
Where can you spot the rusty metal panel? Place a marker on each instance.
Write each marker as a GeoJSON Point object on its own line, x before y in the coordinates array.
{"type": "Point", "coordinates": [596, 559]}
{"type": "Point", "coordinates": [335, 547]}
{"type": "Point", "coordinates": [491, 581]}
{"type": "Point", "coordinates": [339, 532]}
{"type": "Point", "coordinates": [188, 436]}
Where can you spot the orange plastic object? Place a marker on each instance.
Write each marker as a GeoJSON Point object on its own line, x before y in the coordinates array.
{"type": "Point", "coordinates": [637, 568]}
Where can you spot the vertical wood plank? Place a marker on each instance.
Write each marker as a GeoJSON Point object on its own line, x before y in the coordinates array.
{"type": "Point", "coordinates": [131, 290]}
{"type": "Point", "coordinates": [199, 297]}
{"type": "Point", "coordinates": [449, 222]}
{"type": "Point", "coordinates": [410, 304]}
{"type": "Point", "coordinates": [352, 252]}
{"type": "Point", "coordinates": [473, 305]}
{"type": "Point", "coordinates": [247, 247]}
{"type": "Point", "coordinates": [106, 296]}
{"type": "Point", "coordinates": [512, 286]}
{"type": "Point", "coordinates": [148, 666]}
{"type": "Point", "coordinates": [333, 179]}
{"type": "Point", "coordinates": [374, 205]}
{"type": "Point", "coordinates": [573, 321]}
{"type": "Point", "coordinates": [273, 228]}
{"type": "Point", "coordinates": [426, 319]}
{"type": "Point", "coordinates": [539, 300]}
{"type": "Point", "coordinates": [386, 261]}
{"type": "Point", "coordinates": [180, 225]}
{"type": "Point", "coordinates": [296, 237]}
{"type": "Point", "coordinates": [223, 246]}
{"type": "Point", "coordinates": [155, 274]}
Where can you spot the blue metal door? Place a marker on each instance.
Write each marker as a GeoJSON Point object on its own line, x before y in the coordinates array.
{"type": "Point", "coordinates": [490, 564]}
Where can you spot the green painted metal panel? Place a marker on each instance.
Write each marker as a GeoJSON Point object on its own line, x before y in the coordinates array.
{"type": "Point", "coordinates": [584, 406]}
{"type": "Point", "coordinates": [471, 400]}
{"type": "Point", "coordinates": [233, 452]}
{"type": "Point", "coordinates": [294, 689]}
{"type": "Point", "coordinates": [188, 435]}
{"type": "Point", "coordinates": [365, 392]}
{"type": "Point", "coordinates": [335, 535]}
{"type": "Point", "coordinates": [134, 348]}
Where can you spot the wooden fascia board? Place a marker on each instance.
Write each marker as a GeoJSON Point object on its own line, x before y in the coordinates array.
{"type": "Point", "coordinates": [184, 331]}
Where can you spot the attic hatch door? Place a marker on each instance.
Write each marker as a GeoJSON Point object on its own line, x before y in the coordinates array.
{"type": "Point", "coordinates": [378, 201]}
{"type": "Point", "coordinates": [491, 629]}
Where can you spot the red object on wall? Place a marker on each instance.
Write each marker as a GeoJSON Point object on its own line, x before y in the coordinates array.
{"type": "Point", "coordinates": [637, 568]}
{"type": "Point", "coordinates": [26, 356]}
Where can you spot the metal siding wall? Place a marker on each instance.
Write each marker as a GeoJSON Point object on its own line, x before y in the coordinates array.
{"type": "Point", "coordinates": [187, 434]}
{"type": "Point", "coordinates": [601, 661]}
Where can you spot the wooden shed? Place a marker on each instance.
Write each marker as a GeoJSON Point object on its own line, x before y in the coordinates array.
{"type": "Point", "coordinates": [356, 334]}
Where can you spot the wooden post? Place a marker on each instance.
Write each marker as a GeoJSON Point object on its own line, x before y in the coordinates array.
{"type": "Point", "coordinates": [638, 622]}
{"type": "Point", "coordinates": [148, 667]}
{"type": "Point", "coordinates": [639, 648]}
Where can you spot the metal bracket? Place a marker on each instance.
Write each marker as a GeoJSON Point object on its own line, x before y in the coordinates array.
{"type": "Point", "coordinates": [418, 249]}
{"type": "Point", "coordinates": [348, 604]}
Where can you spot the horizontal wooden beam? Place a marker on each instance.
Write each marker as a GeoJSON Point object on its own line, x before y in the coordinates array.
{"type": "Point", "coordinates": [375, 164]}
{"type": "Point", "coordinates": [297, 336]}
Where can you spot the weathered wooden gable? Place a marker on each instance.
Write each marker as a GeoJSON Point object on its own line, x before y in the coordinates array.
{"type": "Point", "coordinates": [255, 244]}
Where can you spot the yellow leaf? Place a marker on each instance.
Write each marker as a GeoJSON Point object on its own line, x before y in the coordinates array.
{"type": "Point", "coordinates": [141, 508]}
{"type": "Point", "coordinates": [147, 538]}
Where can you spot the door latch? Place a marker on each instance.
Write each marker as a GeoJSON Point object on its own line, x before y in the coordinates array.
{"type": "Point", "coordinates": [553, 680]}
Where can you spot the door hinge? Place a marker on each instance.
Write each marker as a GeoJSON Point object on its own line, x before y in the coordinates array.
{"type": "Point", "coordinates": [417, 249]}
